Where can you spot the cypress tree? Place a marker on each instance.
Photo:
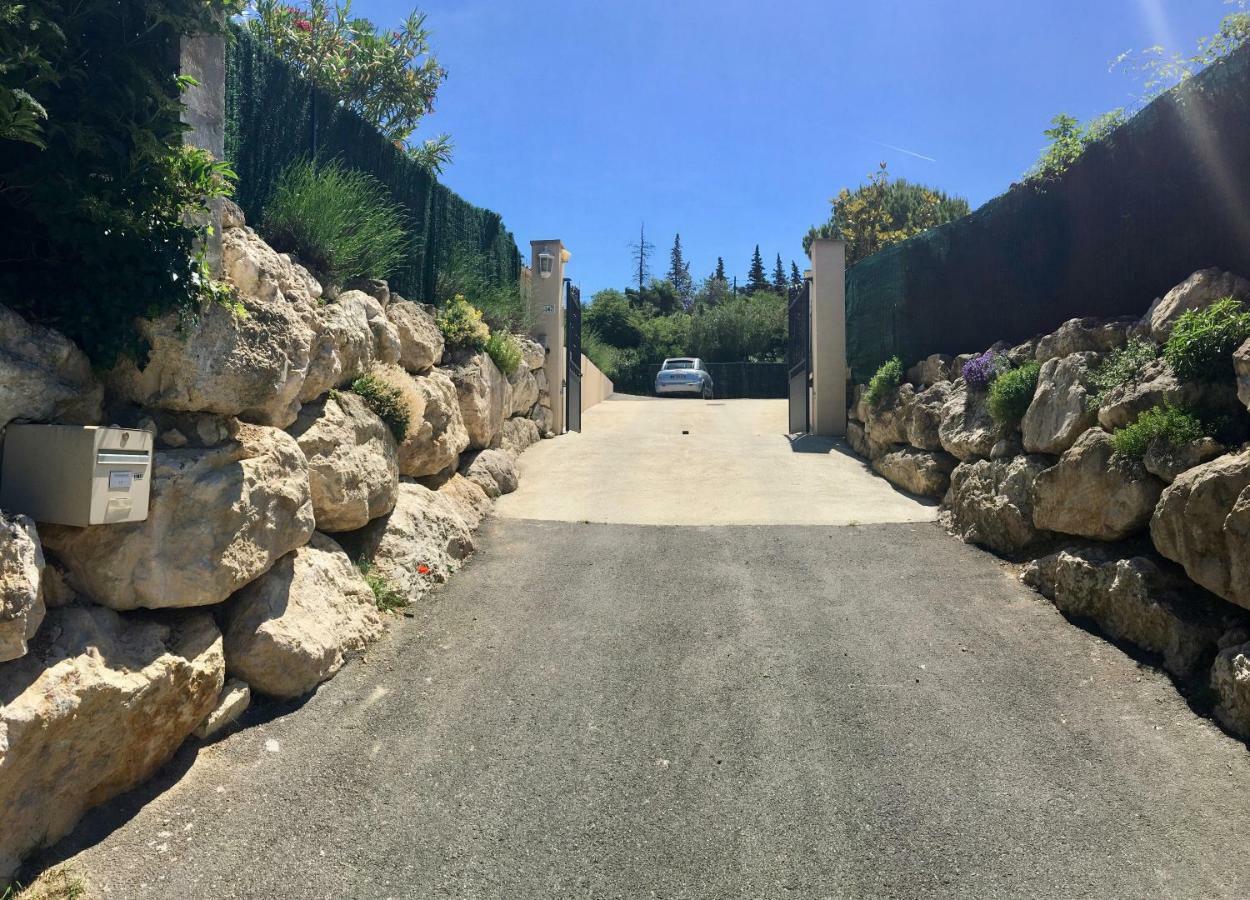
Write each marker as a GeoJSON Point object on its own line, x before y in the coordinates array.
{"type": "Point", "coordinates": [757, 278]}
{"type": "Point", "coordinates": [720, 269]}
{"type": "Point", "coordinates": [796, 277]}
{"type": "Point", "coordinates": [779, 276]}
{"type": "Point", "coordinates": [679, 273]}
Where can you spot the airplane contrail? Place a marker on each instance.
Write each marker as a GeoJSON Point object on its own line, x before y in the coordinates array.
{"type": "Point", "coordinates": [905, 150]}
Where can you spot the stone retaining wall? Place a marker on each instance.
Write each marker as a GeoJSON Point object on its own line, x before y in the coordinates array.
{"type": "Point", "coordinates": [1156, 551]}
{"type": "Point", "coordinates": [282, 506]}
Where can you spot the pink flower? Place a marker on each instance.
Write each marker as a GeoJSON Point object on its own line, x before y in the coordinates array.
{"type": "Point", "coordinates": [303, 25]}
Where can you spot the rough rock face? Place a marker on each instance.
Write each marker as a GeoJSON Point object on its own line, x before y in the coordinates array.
{"type": "Point", "coordinates": [543, 418]}
{"type": "Point", "coordinates": [1241, 362]}
{"type": "Point", "coordinates": [353, 461]}
{"type": "Point", "coordinates": [1138, 601]}
{"type": "Point", "coordinates": [1230, 682]}
{"type": "Point", "coordinates": [1167, 462]}
{"type": "Point", "coordinates": [1203, 522]}
{"type": "Point", "coordinates": [21, 576]}
{"type": "Point", "coordinates": [1092, 493]}
{"type": "Point", "coordinates": [1060, 413]}
{"type": "Point", "coordinates": [436, 433]}
{"type": "Point", "coordinates": [519, 434]}
{"type": "Point", "coordinates": [259, 271]}
{"type": "Point", "coordinates": [470, 500]}
{"type": "Point", "coordinates": [858, 440]}
{"type": "Point", "coordinates": [920, 472]}
{"type": "Point", "coordinates": [1198, 291]}
{"type": "Point", "coordinates": [968, 430]}
{"type": "Point", "coordinates": [233, 702]}
{"type": "Point", "coordinates": [98, 705]}
{"type": "Point", "coordinates": [494, 471]}
{"type": "Point", "coordinates": [250, 365]}
{"type": "Point", "coordinates": [924, 417]}
{"type": "Point", "coordinates": [290, 629]}
{"type": "Point", "coordinates": [1083, 336]}
{"type": "Point", "coordinates": [533, 354]}
{"type": "Point", "coordinates": [931, 370]}
{"type": "Point", "coordinates": [484, 396]}
{"type": "Point", "coordinates": [990, 503]}
{"type": "Point", "coordinates": [524, 391]}
{"type": "Point", "coordinates": [218, 519]}
{"type": "Point", "coordinates": [1157, 385]}
{"type": "Point", "coordinates": [348, 323]}
{"type": "Point", "coordinates": [44, 377]}
{"type": "Point", "coordinates": [426, 530]}
{"type": "Point", "coordinates": [886, 423]}
{"type": "Point", "coordinates": [420, 342]}
{"type": "Point", "coordinates": [386, 346]}
{"type": "Point", "coordinates": [859, 405]}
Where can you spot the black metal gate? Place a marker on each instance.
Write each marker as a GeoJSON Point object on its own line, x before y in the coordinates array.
{"type": "Point", "coordinates": [798, 359]}
{"type": "Point", "coordinates": [573, 344]}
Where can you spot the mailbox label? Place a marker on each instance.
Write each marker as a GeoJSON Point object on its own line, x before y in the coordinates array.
{"type": "Point", "coordinates": [120, 481]}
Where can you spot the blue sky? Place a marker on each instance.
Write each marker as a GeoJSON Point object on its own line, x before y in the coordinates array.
{"type": "Point", "coordinates": [733, 123]}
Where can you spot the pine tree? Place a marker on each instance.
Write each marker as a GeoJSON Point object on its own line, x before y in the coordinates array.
{"type": "Point", "coordinates": [779, 276]}
{"type": "Point", "coordinates": [796, 277]}
{"type": "Point", "coordinates": [642, 253]}
{"type": "Point", "coordinates": [757, 278]}
{"type": "Point", "coordinates": [679, 273]}
{"type": "Point", "coordinates": [720, 269]}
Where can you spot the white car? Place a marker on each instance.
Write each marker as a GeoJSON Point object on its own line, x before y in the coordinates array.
{"type": "Point", "coordinates": [684, 375]}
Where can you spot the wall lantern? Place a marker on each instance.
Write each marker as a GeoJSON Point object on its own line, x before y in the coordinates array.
{"type": "Point", "coordinates": [546, 264]}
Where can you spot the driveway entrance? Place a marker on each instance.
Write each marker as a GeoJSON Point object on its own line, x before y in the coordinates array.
{"type": "Point", "coordinates": [646, 461]}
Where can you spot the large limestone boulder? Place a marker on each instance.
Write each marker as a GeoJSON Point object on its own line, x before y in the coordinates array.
{"type": "Point", "coordinates": [98, 705]}
{"type": "Point", "coordinates": [1230, 683]}
{"type": "Point", "coordinates": [420, 341]}
{"type": "Point", "coordinates": [1092, 492]}
{"type": "Point", "coordinates": [44, 377]}
{"type": "Point", "coordinates": [1083, 336]}
{"type": "Point", "coordinates": [1166, 462]}
{"type": "Point", "coordinates": [543, 418]}
{"type": "Point", "coordinates": [421, 542]}
{"type": "Point", "coordinates": [21, 578]}
{"type": "Point", "coordinates": [1198, 291]}
{"type": "Point", "coordinates": [218, 518]}
{"type": "Point", "coordinates": [1157, 385]}
{"type": "Point", "coordinates": [886, 422]}
{"type": "Point", "coordinates": [1137, 600]}
{"type": "Point", "coordinates": [923, 421]}
{"type": "Point", "coordinates": [250, 363]}
{"type": "Point", "coordinates": [1060, 413]}
{"type": "Point", "coordinates": [990, 503]}
{"type": "Point", "coordinates": [968, 431]}
{"type": "Point", "coordinates": [292, 628]}
{"type": "Point", "coordinates": [471, 502]}
{"type": "Point", "coordinates": [920, 472]}
{"type": "Point", "coordinates": [353, 461]}
{"type": "Point", "coordinates": [519, 434]}
{"type": "Point", "coordinates": [932, 369]}
{"type": "Point", "coordinates": [863, 446]}
{"type": "Point", "coordinates": [436, 430]}
{"type": "Point", "coordinates": [1203, 522]}
{"type": "Point", "coordinates": [533, 354]}
{"type": "Point", "coordinates": [494, 471]}
{"type": "Point", "coordinates": [1241, 363]}
{"type": "Point", "coordinates": [484, 396]}
{"type": "Point", "coordinates": [259, 271]}
{"type": "Point", "coordinates": [524, 391]}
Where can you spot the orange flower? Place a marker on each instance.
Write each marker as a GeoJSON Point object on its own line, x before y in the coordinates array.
{"type": "Point", "coordinates": [423, 569]}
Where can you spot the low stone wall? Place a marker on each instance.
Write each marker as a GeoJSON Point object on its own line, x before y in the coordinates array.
{"type": "Point", "coordinates": [1157, 551]}
{"type": "Point", "coordinates": [596, 387]}
{"type": "Point", "coordinates": [284, 515]}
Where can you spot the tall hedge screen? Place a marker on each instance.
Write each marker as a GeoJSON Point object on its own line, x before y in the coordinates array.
{"type": "Point", "coordinates": [274, 117]}
{"type": "Point", "coordinates": [1163, 196]}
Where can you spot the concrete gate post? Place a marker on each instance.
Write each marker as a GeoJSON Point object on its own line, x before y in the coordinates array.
{"type": "Point", "coordinates": [828, 350]}
{"type": "Point", "coordinates": [547, 259]}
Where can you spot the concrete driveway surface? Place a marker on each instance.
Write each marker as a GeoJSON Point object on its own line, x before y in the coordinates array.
{"type": "Point", "coordinates": [777, 710]}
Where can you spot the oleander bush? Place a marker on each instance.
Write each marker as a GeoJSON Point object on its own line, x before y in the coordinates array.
{"type": "Point", "coordinates": [1011, 393]}
{"type": "Point", "coordinates": [885, 381]}
{"type": "Point", "coordinates": [462, 326]}
{"type": "Point", "coordinates": [339, 222]}
{"type": "Point", "coordinates": [387, 402]}
{"type": "Point", "coordinates": [1203, 341]}
{"type": "Point", "coordinates": [1169, 425]}
{"type": "Point", "coordinates": [1121, 366]}
{"type": "Point", "coordinates": [503, 348]}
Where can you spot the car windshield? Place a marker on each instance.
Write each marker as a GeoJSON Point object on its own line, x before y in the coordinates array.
{"type": "Point", "coordinates": [679, 364]}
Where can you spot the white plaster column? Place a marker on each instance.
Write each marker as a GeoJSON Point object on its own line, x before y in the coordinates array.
{"type": "Point", "coordinates": [547, 314]}
{"type": "Point", "coordinates": [828, 351]}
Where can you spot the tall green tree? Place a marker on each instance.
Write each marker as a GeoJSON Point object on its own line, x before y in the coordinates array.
{"type": "Point", "coordinates": [720, 269]}
{"type": "Point", "coordinates": [796, 277]}
{"type": "Point", "coordinates": [679, 273]}
{"type": "Point", "coordinates": [779, 276]}
{"type": "Point", "coordinates": [757, 278]}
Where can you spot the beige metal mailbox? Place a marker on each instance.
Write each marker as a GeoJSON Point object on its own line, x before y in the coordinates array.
{"type": "Point", "coordinates": [76, 475]}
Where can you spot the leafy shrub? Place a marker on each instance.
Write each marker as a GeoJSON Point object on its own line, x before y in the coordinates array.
{"type": "Point", "coordinates": [462, 326]}
{"type": "Point", "coordinates": [1167, 424]}
{"type": "Point", "coordinates": [1203, 340]}
{"type": "Point", "coordinates": [1068, 140]}
{"type": "Point", "coordinates": [885, 381]}
{"type": "Point", "coordinates": [468, 272]}
{"type": "Point", "coordinates": [385, 596]}
{"type": "Point", "coordinates": [1012, 392]}
{"type": "Point", "coordinates": [980, 371]}
{"type": "Point", "coordinates": [339, 222]}
{"type": "Point", "coordinates": [99, 198]}
{"type": "Point", "coordinates": [505, 351]}
{"type": "Point", "coordinates": [387, 401]}
{"type": "Point", "coordinates": [1120, 367]}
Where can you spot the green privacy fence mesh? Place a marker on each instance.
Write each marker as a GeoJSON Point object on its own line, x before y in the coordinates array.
{"type": "Point", "coordinates": [732, 380]}
{"type": "Point", "coordinates": [1164, 196]}
{"type": "Point", "coordinates": [274, 117]}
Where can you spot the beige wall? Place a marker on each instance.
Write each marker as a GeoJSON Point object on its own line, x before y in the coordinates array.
{"type": "Point", "coordinates": [595, 385]}
{"type": "Point", "coordinates": [828, 350]}
{"type": "Point", "coordinates": [547, 314]}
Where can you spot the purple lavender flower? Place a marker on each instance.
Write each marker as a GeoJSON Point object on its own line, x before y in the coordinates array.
{"type": "Point", "coordinates": [979, 371]}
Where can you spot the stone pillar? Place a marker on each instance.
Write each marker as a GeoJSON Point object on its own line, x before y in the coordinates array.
{"type": "Point", "coordinates": [828, 361]}
{"type": "Point", "coordinates": [547, 314]}
{"type": "Point", "coordinates": [203, 57]}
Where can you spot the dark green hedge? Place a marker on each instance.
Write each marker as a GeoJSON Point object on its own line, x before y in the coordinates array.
{"type": "Point", "coordinates": [273, 117]}
{"type": "Point", "coordinates": [1165, 195]}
